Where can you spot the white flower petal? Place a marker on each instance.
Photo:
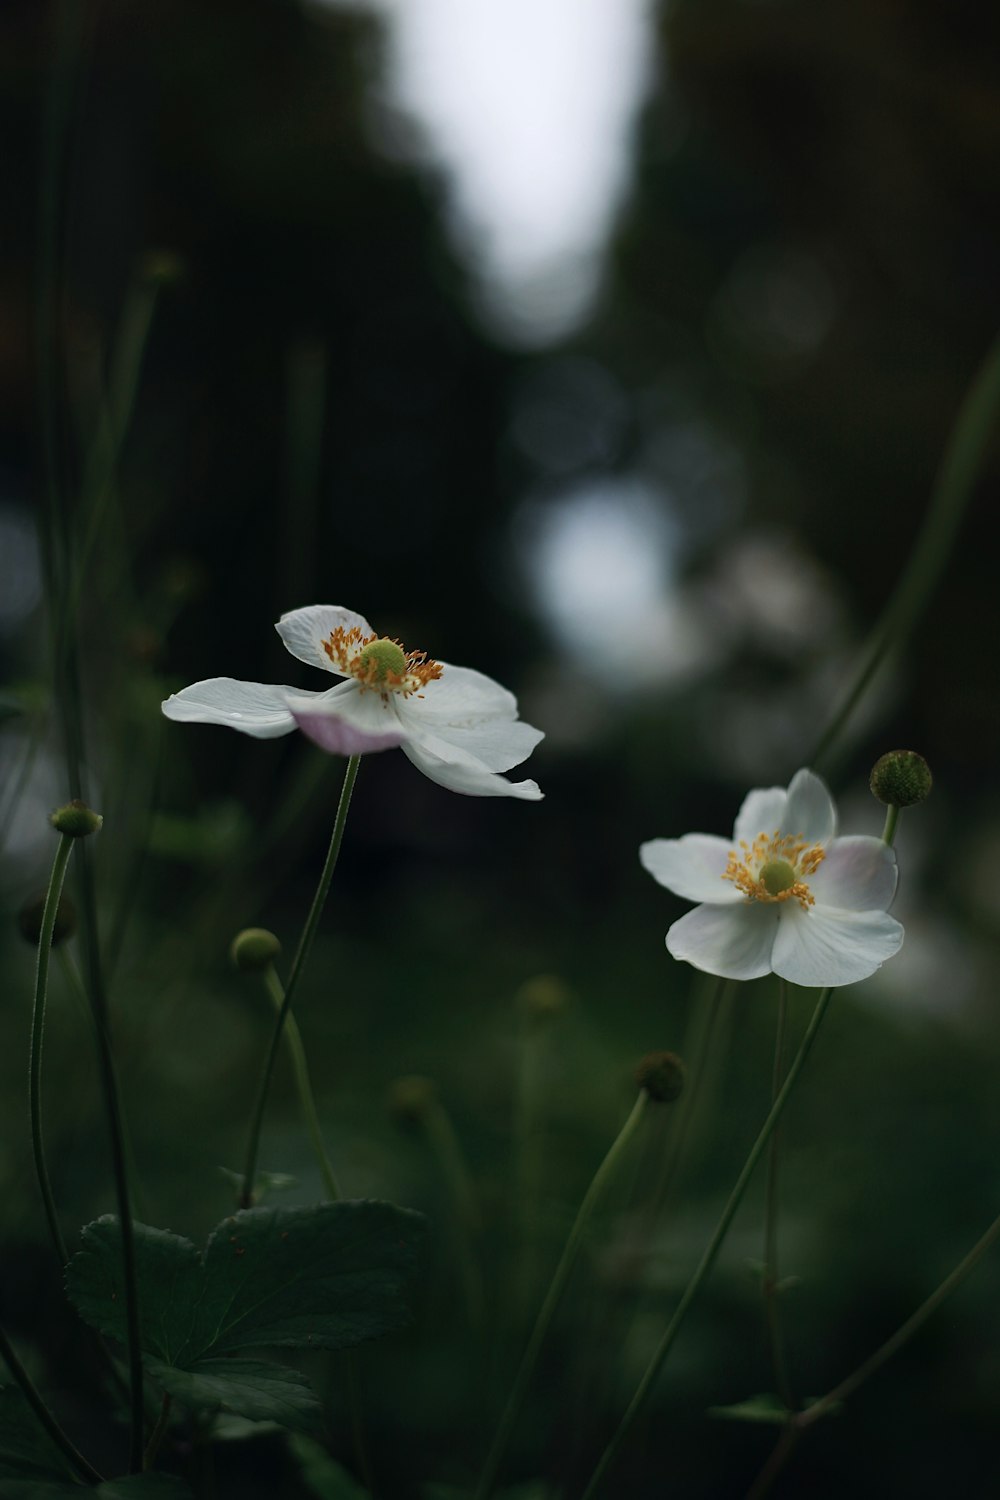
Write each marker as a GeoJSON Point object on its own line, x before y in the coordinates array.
{"type": "Point", "coordinates": [763, 811]}
{"type": "Point", "coordinates": [820, 946]}
{"type": "Point", "coordinates": [497, 743]}
{"type": "Point", "coordinates": [858, 874]}
{"type": "Point", "coordinates": [691, 867]}
{"type": "Point", "coordinates": [256, 708]}
{"type": "Point", "coordinates": [461, 696]}
{"type": "Point", "coordinates": [348, 721]}
{"type": "Point", "coordinates": [303, 631]}
{"type": "Point", "coordinates": [441, 762]}
{"type": "Point", "coordinates": [810, 811]}
{"type": "Point", "coordinates": [732, 941]}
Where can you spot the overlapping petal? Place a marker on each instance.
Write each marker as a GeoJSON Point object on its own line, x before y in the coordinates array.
{"type": "Point", "coordinates": [692, 867]}
{"type": "Point", "coordinates": [256, 708]}
{"type": "Point", "coordinates": [303, 631]}
{"type": "Point", "coordinates": [810, 810]}
{"type": "Point", "coordinates": [734, 942]}
{"type": "Point", "coordinates": [858, 874]}
{"type": "Point", "coordinates": [763, 811]}
{"type": "Point", "coordinates": [348, 722]}
{"type": "Point", "coordinates": [828, 946]}
{"type": "Point", "coordinates": [448, 763]}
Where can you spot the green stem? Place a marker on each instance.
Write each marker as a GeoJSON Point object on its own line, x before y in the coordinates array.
{"type": "Point", "coordinates": [116, 1132]}
{"type": "Point", "coordinates": [891, 819]}
{"type": "Point", "coordinates": [772, 1315]}
{"type": "Point", "coordinates": [892, 1345]}
{"type": "Point", "coordinates": [23, 1380]}
{"type": "Point", "coordinates": [303, 1086]}
{"type": "Point", "coordinates": [712, 1249]}
{"type": "Point", "coordinates": [594, 1193]}
{"type": "Point", "coordinates": [37, 1033]}
{"type": "Point", "coordinates": [302, 953]}
{"type": "Point", "coordinates": [953, 486]}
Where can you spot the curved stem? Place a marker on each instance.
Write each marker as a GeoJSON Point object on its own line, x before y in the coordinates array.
{"type": "Point", "coordinates": [959, 470]}
{"type": "Point", "coordinates": [302, 953]}
{"type": "Point", "coordinates": [159, 1431]}
{"type": "Point", "coordinates": [782, 1383]}
{"type": "Point", "coordinates": [444, 1142]}
{"type": "Point", "coordinates": [780, 1454]}
{"type": "Point", "coordinates": [711, 1250]}
{"type": "Point", "coordinates": [591, 1198]}
{"type": "Point", "coordinates": [303, 1087]}
{"type": "Point", "coordinates": [23, 1380]}
{"type": "Point", "coordinates": [37, 1032]}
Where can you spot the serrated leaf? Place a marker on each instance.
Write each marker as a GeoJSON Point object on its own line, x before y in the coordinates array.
{"type": "Point", "coordinates": [26, 1450]}
{"type": "Point", "coordinates": [259, 1390]}
{"type": "Point", "coordinates": [326, 1277]}
{"type": "Point", "coordinates": [323, 1475]}
{"type": "Point", "coordinates": [766, 1408]}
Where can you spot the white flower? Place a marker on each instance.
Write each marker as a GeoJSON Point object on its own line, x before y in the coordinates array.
{"type": "Point", "coordinates": [784, 896]}
{"type": "Point", "coordinates": [457, 726]}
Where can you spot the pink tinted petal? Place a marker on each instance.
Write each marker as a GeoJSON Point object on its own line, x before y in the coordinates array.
{"type": "Point", "coordinates": [347, 721]}
{"type": "Point", "coordinates": [732, 941]}
{"type": "Point", "coordinates": [820, 946]}
{"type": "Point", "coordinates": [763, 811]}
{"type": "Point", "coordinates": [810, 811]}
{"type": "Point", "coordinates": [858, 874]}
{"type": "Point", "coordinates": [303, 631]}
{"type": "Point", "coordinates": [255, 708]}
{"type": "Point", "coordinates": [691, 867]}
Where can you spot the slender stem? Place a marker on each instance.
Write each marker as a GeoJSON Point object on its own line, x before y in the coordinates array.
{"type": "Point", "coordinates": [891, 819]}
{"type": "Point", "coordinates": [37, 1033]}
{"type": "Point", "coordinates": [772, 1315]}
{"type": "Point", "coordinates": [116, 1132]}
{"type": "Point", "coordinates": [305, 944]}
{"type": "Point", "coordinates": [953, 486]}
{"type": "Point", "coordinates": [777, 1460]}
{"type": "Point", "coordinates": [441, 1134]}
{"type": "Point", "coordinates": [591, 1198]}
{"type": "Point", "coordinates": [892, 1345]}
{"type": "Point", "coordinates": [712, 1249]}
{"type": "Point", "coordinates": [696, 1057]}
{"type": "Point", "coordinates": [303, 1087]}
{"type": "Point", "coordinates": [41, 1411]}
{"type": "Point", "coordinates": [159, 1431]}
{"type": "Point", "coordinates": [526, 1159]}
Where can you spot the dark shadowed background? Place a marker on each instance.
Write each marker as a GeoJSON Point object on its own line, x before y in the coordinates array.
{"type": "Point", "coordinates": [611, 349]}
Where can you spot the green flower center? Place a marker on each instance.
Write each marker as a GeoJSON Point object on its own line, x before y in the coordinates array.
{"type": "Point", "coordinates": [380, 658]}
{"type": "Point", "coordinates": [777, 876]}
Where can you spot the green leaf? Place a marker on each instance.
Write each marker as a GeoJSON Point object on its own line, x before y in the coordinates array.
{"type": "Point", "coordinates": [263, 1183]}
{"type": "Point", "coordinates": [26, 1450]}
{"type": "Point", "coordinates": [766, 1408]}
{"type": "Point", "coordinates": [322, 1475]}
{"type": "Point", "coordinates": [326, 1277]}
{"type": "Point", "coordinates": [313, 1278]}
{"type": "Point", "coordinates": [259, 1390]}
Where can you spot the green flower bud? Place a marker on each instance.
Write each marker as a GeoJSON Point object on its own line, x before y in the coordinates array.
{"type": "Point", "coordinates": [29, 920]}
{"type": "Point", "coordinates": [411, 1099]}
{"type": "Point", "coordinates": [543, 997]}
{"type": "Point", "coordinates": [253, 949]}
{"type": "Point", "coordinates": [76, 819]}
{"type": "Point", "coordinates": [661, 1074]}
{"type": "Point", "coordinates": [901, 778]}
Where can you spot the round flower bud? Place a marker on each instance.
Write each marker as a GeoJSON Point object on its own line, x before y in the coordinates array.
{"type": "Point", "coordinates": [543, 998]}
{"type": "Point", "coordinates": [76, 819]}
{"type": "Point", "coordinates": [411, 1099]}
{"type": "Point", "coordinates": [661, 1074]}
{"type": "Point", "coordinates": [253, 949]}
{"type": "Point", "coordinates": [29, 920]}
{"type": "Point", "coordinates": [900, 778]}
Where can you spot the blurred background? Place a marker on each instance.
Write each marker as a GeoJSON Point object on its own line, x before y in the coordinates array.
{"type": "Point", "coordinates": [609, 347]}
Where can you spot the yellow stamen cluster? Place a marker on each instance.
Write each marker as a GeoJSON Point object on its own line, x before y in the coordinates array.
{"type": "Point", "coordinates": [379, 663]}
{"type": "Point", "coordinates": [771, 862]}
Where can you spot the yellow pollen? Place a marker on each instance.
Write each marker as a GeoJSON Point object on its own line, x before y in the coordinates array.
{"type": "Point", "coordinates": [379, 663]}
{"type": "Point", "coordinates": [774, 867]}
